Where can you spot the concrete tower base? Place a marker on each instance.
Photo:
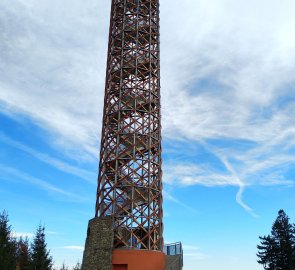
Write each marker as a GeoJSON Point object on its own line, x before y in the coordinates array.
{"type": "Point", "coordinates": [99, 253]}
{"type": "Point", "coordinates": [98, 245]}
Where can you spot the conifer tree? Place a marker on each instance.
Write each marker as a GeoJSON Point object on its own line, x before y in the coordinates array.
{"type": "Point", "coordinates": [267, 252]}
{"type": "Point", "coordinates": [64, 267]}
{"type": "Point", "coordinates": [7, 244]}
{"type": "Point", "coordinates": [22, 254]}
{"type": "Point", "coordinates": [276, 251]}
{"type": "Point", "coordinates": [78, 266]}
{"type": "Point", "coordinates": [40, 258]}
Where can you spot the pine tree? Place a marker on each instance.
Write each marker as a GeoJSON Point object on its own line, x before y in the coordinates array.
{"type": "Point", "coordinates": [283, 233]}
{"type": "Point", "coordinates": [22, 254]}
{"type": "Point", "coordinates": [40, 258]}
{"type": "Point", "coordinates": [276, 251]}
{"type": "Point", "coordinates": [64, 267]}
{"type": "Point", "coordinates": [267, 252]}
{"type": "Point", "coordinates": [7, 244]}
{"type": "Point", "coordinates": [78, 266]}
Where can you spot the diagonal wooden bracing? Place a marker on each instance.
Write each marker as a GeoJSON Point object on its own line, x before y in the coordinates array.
{"type": "Point", "coordinates": [129, 182]}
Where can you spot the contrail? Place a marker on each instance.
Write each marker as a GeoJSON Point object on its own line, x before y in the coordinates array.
{"type": "Point", "coordinates": [240, 182]}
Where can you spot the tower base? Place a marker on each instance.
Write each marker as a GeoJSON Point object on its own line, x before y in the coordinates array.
{"type": "Point", "coordinates": [99, 253]}
{"type": "Point", "coordinates": [99, 245]}
{"type": "Point", "coordinates": [138, 259]}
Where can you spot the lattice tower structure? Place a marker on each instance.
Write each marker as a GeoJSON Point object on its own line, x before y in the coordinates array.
{"type": "Point", "coordinates": [130, 175]}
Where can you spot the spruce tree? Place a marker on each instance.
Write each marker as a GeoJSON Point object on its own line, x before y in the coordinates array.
{"type": "Point", "coordinates": [40, 258]}
{"type": "Point", "coordinates": [7, 244]}
{"type": "Point", "coordinates": [283, 233]}
{"type": "Point", "coordinates": [64, 267]}
{"type": "Point", "coordinates": [78, 266]}
{"type": "Point", "coordinates": [267, 252]}
{"type": "Point", "coordinates": [22, 254]}
{"type": "Point", "coordinates": [276, 251]}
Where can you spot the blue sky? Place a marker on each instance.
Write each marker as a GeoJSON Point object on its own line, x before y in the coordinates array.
{"type": "Point", "coordinates": [228, 91]}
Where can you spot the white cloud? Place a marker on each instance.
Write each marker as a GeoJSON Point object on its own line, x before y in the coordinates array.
{"type": "Point", "coordinates": [224, 69]}
{"type": "Point", "coordinates": [51, 232]}
{"type": "Point", "coordinates": [74, 247]}
{"type": "Point", "coordinates": [53, 69]}
{"type": "Point", "coordinates": [241, 50]}
{"type": "Point", "coordinates": [193, 253]}
{"type": "Point", "coordinates": [190, 247]}
{"type": "Point", "coordinates": [6, 171]}
{"type": "Point", "coordinates": [196, 256]}
{"type": "Point", "coordinates": [22, 234]}
{"type": "Point", "coordinates": [170, 197]}
{"type": "Point", "coordinates": [58, 164]}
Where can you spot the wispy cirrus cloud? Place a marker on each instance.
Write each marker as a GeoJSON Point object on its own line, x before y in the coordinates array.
{"type": "Point", "coordinates": [22, 234]}
{"type": "Point", "coordinates": [168, 196]}
{"type": "Point", "coordinates": [65, 93]}
{"type": "Point", "coordinates": [80, 248]}
{"type": "Point", "coordinates": [237, 168]}
{"type": "Point", "coordinates": [48, 71]}
{"type": "Point", "coordinates": [193, 252]}
{"type": "Point", "coordinates": [6, 171]}
{"type": "Point", "coordinates": [56, 163]}
{"type": "Point", "coordinates": [233, 67]}
{"type": "Point", "coordinates": [28, 234]}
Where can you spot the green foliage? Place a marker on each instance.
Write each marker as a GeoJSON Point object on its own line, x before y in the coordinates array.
{"type": "Point", "coordinates": [7, 244]}
{"type": "Point", "coordinates": [23, 254]}
{"type": "Point", "coordinates": [267, 252]}
{"type": "Point", "coordinates": [18, 255]}
{"type": "Point", "coordinates": [40, 258]}
{"type": "Point", "coordinates": [277, 250]}
{"type": "Point", "coordinates": [78, 266]}
{"type": "Point", "coordinates": [64, 267]}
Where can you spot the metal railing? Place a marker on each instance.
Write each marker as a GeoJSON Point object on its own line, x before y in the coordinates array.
{"type": "Point", "coordinates": [174, 249]}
